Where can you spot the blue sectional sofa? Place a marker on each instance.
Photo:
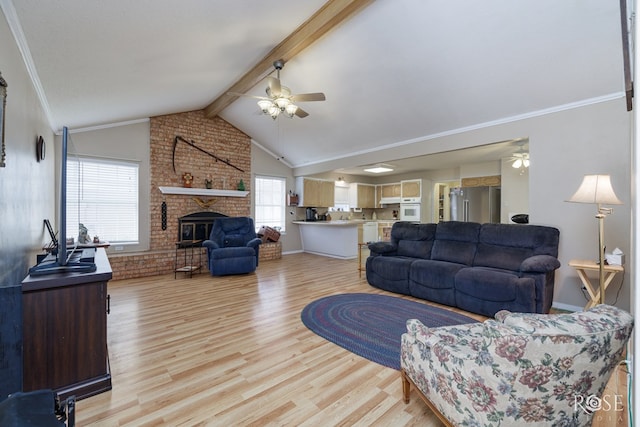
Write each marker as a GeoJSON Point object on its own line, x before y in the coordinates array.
{"type": "Point", "coordinates": [481, 268]}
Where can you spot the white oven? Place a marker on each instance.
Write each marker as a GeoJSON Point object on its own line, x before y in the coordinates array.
{"type": "Point", "coordinates": [410, 212]}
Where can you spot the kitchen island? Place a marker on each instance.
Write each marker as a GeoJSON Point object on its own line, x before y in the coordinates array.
{"type": "Point", "coordinates": [337, 239]}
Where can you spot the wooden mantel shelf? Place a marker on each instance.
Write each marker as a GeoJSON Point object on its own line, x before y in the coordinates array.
{"type": "Point", "coordinates": [202, 192]}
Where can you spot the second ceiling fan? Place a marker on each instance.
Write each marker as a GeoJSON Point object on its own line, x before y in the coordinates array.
{"type": "Point", "coordinates": [279, 99]}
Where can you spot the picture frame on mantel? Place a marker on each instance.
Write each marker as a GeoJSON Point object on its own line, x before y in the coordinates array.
{"type": "Point", "coordinates": [3, 105]}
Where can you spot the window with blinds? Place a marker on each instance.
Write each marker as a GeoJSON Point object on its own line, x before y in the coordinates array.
{"type": "Point", "coordinates": [103, 196]}
{"type": "Point", "coordinates": [270, 193]}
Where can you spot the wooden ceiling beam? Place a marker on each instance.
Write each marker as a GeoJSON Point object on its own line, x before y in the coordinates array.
{"type": "Point", "coordinates": [329, 16]}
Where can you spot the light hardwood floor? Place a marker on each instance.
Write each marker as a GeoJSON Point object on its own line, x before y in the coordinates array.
{"type": "Point", "coordinates": [232, 351]}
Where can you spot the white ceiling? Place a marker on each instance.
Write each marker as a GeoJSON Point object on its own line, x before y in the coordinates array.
{"type": "Point", "coordinates": [399, 71]}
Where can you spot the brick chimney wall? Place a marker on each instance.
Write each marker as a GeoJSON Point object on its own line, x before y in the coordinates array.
{"type": "Point", "coordinates": [215, 136]}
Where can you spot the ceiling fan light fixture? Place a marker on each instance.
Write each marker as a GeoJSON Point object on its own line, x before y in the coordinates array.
{"type": "Point", "coordinates": [291, 109]}
{"type": "Point", "coordinates": [525, 162]}
{"type": "Point", "coordinates": [282, 103]}
{"type": "Point", "coordinates": [274, 111]}
{"type": "Point", "coordinates": [265, 105]}
{"type": "Point", "coordinates": [517, 164]}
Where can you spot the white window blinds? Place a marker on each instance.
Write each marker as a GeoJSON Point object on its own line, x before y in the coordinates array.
{"type": "Point", "coordinates": [270, 202]}
{"type": "Point", "coordinates": [103, 195]}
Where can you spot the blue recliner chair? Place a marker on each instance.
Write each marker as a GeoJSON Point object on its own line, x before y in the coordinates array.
{"type": "Point", "coordinates": [233, 246]}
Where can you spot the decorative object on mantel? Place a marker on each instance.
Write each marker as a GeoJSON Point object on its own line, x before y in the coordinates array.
{"type": "Point", "coordinates": [187, 179]}
{"type": "Point", "coordinates": [597, 190]}
{"type": "Point", "coordinates": [193, 144]}
{"type": "Point", "coordinates": [208, 184]}
{"type": "Point", "coordinates": [3, 104]}
{"type": "Point", "coordinates": [204, 203]}
{"type": "Point", "coordinates": [241, 185]}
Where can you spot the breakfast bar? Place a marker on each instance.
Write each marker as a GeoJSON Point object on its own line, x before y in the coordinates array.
{"type": "Point", "coordinates": [337, 239]}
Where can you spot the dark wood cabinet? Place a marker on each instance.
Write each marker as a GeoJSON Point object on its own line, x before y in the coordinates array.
{"type": "Point", "coordinates": [65, 331]}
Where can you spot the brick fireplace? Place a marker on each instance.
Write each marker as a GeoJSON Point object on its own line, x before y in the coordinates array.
{"type": "Point", "coordinates": [212, 135]}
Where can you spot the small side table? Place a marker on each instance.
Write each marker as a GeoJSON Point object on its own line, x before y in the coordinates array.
{"type": "Point", "coordinates": [361, 246]}
{"type": "Point", "coordinates": [187, 267]}
{"type": "Point", "coordinates": [582, 266]}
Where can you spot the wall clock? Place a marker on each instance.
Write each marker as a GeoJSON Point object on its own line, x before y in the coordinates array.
{"type": "Point", "coordinates": [40, 148]}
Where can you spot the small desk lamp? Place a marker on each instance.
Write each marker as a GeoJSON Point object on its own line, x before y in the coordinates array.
{"type": "Point", "coordinates": [597, 189]}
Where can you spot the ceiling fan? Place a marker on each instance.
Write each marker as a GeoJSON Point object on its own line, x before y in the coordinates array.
{"type": "Point", "coordinates": [279, 98]}
{"type": "Point", "coordinates": [520, 158]}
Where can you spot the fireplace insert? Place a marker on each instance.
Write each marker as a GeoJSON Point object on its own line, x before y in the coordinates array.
{"type": "Point", "coordinates": [197, 225]}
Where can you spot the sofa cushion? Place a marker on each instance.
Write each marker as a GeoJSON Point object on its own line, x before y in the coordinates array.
{"type": "Point", "coordinates": [234, 240]}
{"type": "Point", "coordinates": [456, 242]}
{"type": "Point", "coordinates": [413, 240]}
{"type": "Point", "coordinates": [508, 245]}
{"type": "Point", "coordinates": [389, 273]}
{"type": "Point", "coordinates": [434, 280]}
{"type": "Point", "coordinates": [505, 257]}
{"type": "Point", "coordinates": [232, 252]}
{"type": "Point", "coordinates": [487, 291]}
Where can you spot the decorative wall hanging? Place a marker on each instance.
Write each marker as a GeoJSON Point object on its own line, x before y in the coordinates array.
{"type": "Point", "coordinates": [193, 144]}
{"type": "Point", "coordinates": [164, 215]}
{"type": "Point", "coordinates": [3, 105]}
{"type": "Point", "coordinates": [204, 204]}
{"type": "Point", "coordinates": [40, 148]}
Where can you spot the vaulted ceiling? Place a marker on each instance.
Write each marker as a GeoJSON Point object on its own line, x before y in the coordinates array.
{"type": "Point", "coordinates": [394, 72]}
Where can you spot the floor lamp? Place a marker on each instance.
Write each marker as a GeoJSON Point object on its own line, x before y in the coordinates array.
{"type": "Point", "coordinates": [597, 189]}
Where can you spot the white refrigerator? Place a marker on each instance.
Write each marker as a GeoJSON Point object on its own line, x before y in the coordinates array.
{"type": "Point", "coordinates": [475, 204]}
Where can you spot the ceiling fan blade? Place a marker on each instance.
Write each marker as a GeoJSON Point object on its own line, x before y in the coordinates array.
{"type": "Point", "coordinates": [246, 96]}
{"type": "Point", "coordinates": [305, 97]}
{"type": "Point", "coordinates": [274, 87]}
{"type": "Point", "coordinates": [301, 113]}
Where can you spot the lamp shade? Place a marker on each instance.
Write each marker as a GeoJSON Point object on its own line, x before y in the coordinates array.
{"type": "Point", "coordinates": [596, 189]}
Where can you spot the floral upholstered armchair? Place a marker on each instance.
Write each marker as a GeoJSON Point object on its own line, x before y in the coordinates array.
{"type": "Point", "coordinates": [529, 369]}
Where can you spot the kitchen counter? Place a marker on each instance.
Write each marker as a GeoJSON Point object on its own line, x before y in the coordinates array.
{"type": "Point", "coordinates": [337, 238]}
{"type": "Point", "coordinates": [345, 222]}
{"type": "Point", "coordinates": [338, 223]}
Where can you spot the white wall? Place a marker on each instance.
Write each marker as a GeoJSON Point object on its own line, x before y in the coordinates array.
{"type": "Point", "coordinates": [27, 187]}
{"type": "Point", "coordinates": [122, 142]}
{"type": "Point", "coordinates": [263, 163]}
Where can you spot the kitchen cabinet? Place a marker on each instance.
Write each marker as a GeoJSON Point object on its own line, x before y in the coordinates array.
{"type": "Point", "coordinates": [389, 193]}
{"type": "Point", "coordinates": [411, 188]}
{"type": "Point", "coordinates": [362, 195]}
{"type": "Point", "coordinates": [341, 194]}
{"type": "Point", "coordinates": [315, 192]}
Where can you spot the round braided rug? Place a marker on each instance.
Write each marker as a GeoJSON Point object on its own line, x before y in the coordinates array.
{"type": "Point", "coordinates": [371, 325]}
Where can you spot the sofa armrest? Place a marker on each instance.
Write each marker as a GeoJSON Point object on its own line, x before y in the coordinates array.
{"type": "Point", "coordinates": [539, 264]}
{"type": "Point", "coordinates": [253, 243]}
{"type": "Point", "coordinates": [383, 248]}
{"type": "Point", "coordinates": [210, 244]}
